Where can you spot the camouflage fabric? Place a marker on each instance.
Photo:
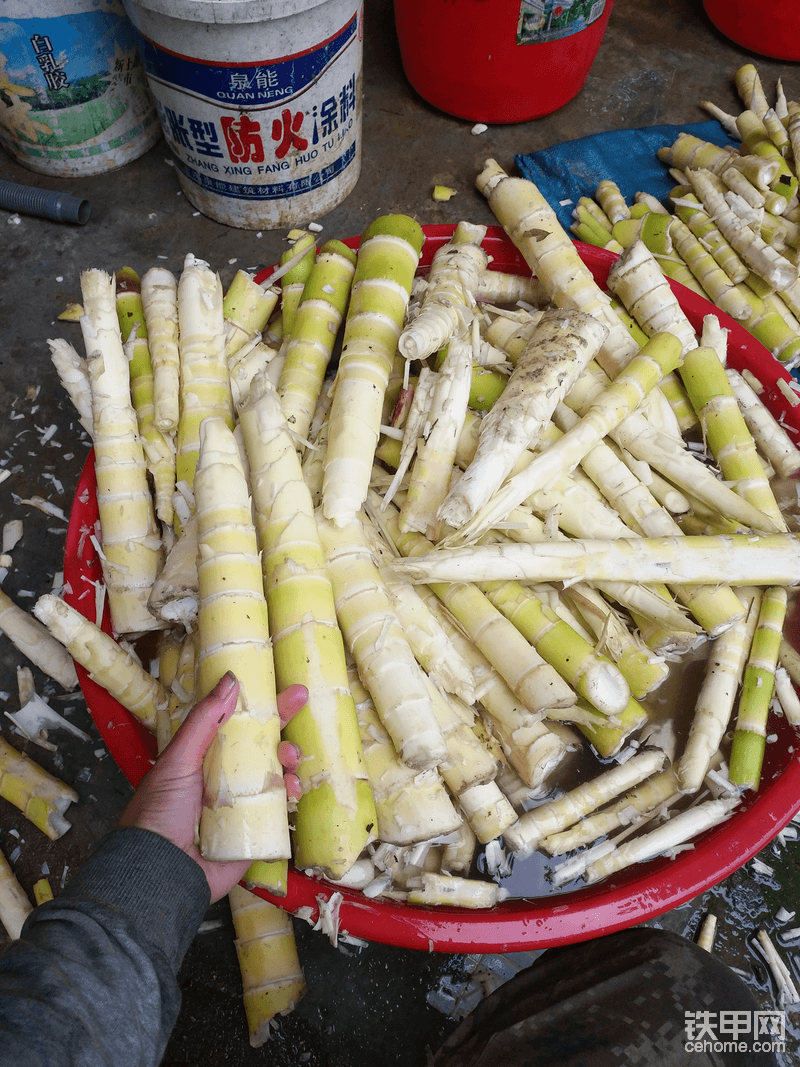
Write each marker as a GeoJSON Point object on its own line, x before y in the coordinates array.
{"type": "Point", "coordinates": [640, 998]}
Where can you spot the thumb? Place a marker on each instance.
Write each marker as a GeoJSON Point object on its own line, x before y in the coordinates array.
{"type": "Point", "coordinates": [196, 732]}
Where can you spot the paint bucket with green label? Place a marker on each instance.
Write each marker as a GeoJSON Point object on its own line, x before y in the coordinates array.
{"type": "Point", "coordinates": [499, 60]}
{"type": "Point", "coordinates": [73, 96]}
{"type": "Point", "coordinates": [260, 101]}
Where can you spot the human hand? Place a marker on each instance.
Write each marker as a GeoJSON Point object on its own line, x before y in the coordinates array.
{"type": "Point", "coordinates": [169, 798]}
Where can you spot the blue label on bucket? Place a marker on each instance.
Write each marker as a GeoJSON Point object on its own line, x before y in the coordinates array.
{"type": "Point", "coordinates": [271, 190]}
{"type": "Point", "coordinates": [247, 86]}
{"type": "Point", "coordinates": [550, 20]}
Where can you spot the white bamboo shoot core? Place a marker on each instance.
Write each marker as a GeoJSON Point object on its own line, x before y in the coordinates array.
{"type": "Point", "coordinates": [671, 834]}
{"type": "Point", "coordinates": [732, 559]}
{"type": "Point", "coordinates": [36, 642]}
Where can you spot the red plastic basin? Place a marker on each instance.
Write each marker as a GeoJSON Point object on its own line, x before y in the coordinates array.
{"type": "Point", "coordinates": [630, 897]}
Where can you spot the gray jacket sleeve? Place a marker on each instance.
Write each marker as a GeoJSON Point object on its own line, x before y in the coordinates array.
{"type": "Point", "coordinates": [92, 978]}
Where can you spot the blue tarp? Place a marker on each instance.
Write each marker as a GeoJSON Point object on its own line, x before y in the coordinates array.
{"type": "Point", "coordinates": [573, 169]}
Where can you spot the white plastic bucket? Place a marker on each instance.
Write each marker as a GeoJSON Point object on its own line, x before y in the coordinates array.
{"type": "Point", "coordinates": [260, 101]}
{"type": "Point", "coordinates": [73, 96]}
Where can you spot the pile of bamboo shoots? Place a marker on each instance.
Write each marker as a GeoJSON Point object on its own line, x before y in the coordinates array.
{"type": "Point", "coordinates": [482, 545]}
{"type": "Point", "coordinates": [731, 227]}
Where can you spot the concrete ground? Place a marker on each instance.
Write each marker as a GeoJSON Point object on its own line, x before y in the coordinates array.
{"type": "Point", "coordinates": [369, 1004]}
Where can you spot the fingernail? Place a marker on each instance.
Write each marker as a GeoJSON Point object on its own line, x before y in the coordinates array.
{"type": "Point", "coordinates": [226, 685]}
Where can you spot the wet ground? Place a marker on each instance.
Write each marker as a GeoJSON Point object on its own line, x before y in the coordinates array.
{"type": "Point", "coordinates": [368, 1003]}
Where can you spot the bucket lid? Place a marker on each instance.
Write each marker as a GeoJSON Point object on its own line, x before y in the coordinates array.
{"type": "Point", "coordinates": [227, 11]}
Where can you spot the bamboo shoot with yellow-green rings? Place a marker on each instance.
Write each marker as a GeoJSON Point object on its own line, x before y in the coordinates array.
{"type": "Point", "coordinates": [643, 669]}
{"type": "Point", "coordinates": [244, 814]}
{"type": "Point", "coordinates": [411, 805]}
{"type": "Point", "coordinates": [387, 261]}
{"type": "Point", "coordinates": [676, 831]}
{"type": "Point", "coordinates": [294, 280]}
{"type": "Point", "coordinates": [377, 643]}
{"type": "Point", "coordinates": [314, 331]}
{"type": "Point", "coordinates": [721, 290]}
{"type": "Point", "coordinates": [272, 978]}
{"type": "Point", "coordinates": [335, 816]}
{"type": "Point", "coordinates": [40, 796]}
{"type": "Point", "coordinates": [454, 891]}
{"type": "Point", "coordinates": [594, 677]}
{"type": "Point", "coordinates": [758, 141]}
{"type": "Point", "coordinates": [725, 430]}
{"type": "Point", "coordinates": [160, 305]}
{"type": "Point", "coordinates": [636, 435]}
{"type": "Point", "coordinates": [532, 748]}
{"type": "Point", "coordinates": [637, 280]}
{"type": "Point", "coordinates": [774, 268]}
{"type": "Point", "coordinates": [73, 375]}
{"type": "Point", "coordinates": [427, 637]}
{"type": "Point", "coordinates": [205, 386]}
{"type": "Point", "coordinates": [758, 684]}
{"type": "Point", "coordinates": [469, 770]}
{"type": "Point", "coordinates": [608, 410]}
{"type": "Point", "coordinates": [715, 702]}
{"type": "Point", "coordinates": [159, 451]}
{"type": "Point", "coordinates": [651, 603]}
{"type": "Point", "coordinates": [246, 308]}
{"type": "Point", "coordinates": [535, 682]}
{"type": "Point", "coordinates": [688, 152]}
{"type": "Point", "coordinates": [432, 470]}
{"type": "Point", "coordinates": [36, 642]}
{"type": "Point", "coordinates": [690, 211]}
{"type": "Point", "coordinates": [645, 799]}
{"type": "Point", "coordinates": [131, 546]}
{"type": "Point", "coordinates": [772, 440]}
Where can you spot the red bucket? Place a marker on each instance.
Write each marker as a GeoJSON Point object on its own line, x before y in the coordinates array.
{"type": "Point", "coordinates": [771, 29]}
{"type": "Point", "coordinates": [499, 60]}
